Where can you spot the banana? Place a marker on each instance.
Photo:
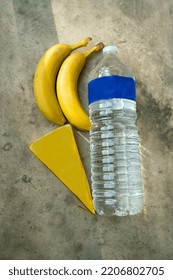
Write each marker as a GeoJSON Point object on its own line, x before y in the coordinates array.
{"type": "Point", "coordinates": [66, 88]}
{"type": "Point", "coordinates": [45, 80]}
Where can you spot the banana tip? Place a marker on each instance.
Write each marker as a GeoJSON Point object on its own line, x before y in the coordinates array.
{"type": "Point", "coordinates": [87, 40]}
{"type": "Point", "coordinates": [100, 46]}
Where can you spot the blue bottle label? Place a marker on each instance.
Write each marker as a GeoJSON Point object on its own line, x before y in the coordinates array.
{"type": "Point", "coordinates": [111, 87]}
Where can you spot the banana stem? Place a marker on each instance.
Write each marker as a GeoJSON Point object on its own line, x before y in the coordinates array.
{"type": "Point", "coordinates": [82, 43]}
{"type": "Point", "coordinates": [96, 48]}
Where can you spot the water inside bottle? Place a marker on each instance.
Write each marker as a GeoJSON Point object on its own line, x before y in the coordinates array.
{"type": "Point", "coordinates": [115, 158]}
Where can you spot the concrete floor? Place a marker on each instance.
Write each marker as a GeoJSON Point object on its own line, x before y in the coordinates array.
{"type": "Point", "coordinates": [39, 217]}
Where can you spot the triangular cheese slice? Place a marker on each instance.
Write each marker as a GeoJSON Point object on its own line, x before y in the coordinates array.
{"type": "Point", "coordinates": [58, 151]}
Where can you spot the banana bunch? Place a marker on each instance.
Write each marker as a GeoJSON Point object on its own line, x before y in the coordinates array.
{"type": "Point", "coordinates": [56, 80]}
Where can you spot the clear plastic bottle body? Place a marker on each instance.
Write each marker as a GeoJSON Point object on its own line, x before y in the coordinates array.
{"type": "Point", "coordinates": [114, 149]}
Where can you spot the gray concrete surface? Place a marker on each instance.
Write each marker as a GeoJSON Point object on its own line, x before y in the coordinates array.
{"type": "Point", "coordinates": [39, 217]}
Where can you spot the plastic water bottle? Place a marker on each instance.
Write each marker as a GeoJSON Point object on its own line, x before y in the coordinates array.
{"type": "Point", "coordinates": [117, 187]}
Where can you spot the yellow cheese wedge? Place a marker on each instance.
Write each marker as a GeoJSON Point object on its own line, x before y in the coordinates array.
{"type": "Point", "coordinates": [58, 151]}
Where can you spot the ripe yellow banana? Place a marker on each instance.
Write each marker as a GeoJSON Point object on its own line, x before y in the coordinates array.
{"type": "Point", "coordinates": [45, 80]}
{"type": "Point", "coordinates": [66, 86]}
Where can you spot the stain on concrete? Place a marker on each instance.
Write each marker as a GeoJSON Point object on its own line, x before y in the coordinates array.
{"type": "Point", "coordinates": [26, 179]}
{"type": "Point", "coordinates": [167, 74]}
{"type": "Point", "coordinates": [30, 16]}
{"type": "Point", "coordinates": [22, 88]}
{"type": "Point", "coordinates": [69, 199]}
{"type": "Point", "coordinates": [5, 134]}
{"type": "Point", "coordinates": [11, 193]}
{"type": "Point", "coordinates": [78, 247]}
{"type": "Point", "coordinates": [171, 9]}
{"type": "Point", "coordinates": [48, 206]}
{"type": "Point", "coordinates": [137, 10]}
{"type": "Point", "coordinates": [17, 246]}
{"type": "Point", "coordinates": [101, 242]}
{"type": "Point", "coordinates": [61, 217]}
{"type": "Point", "coordinates": [11, 56]}
{"type": "Point", "coordinates": [7, 147]}
{"type": "Point", "coordinates": [154, 115]}
{"type": "Point", "coordinates": [21, 11]}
